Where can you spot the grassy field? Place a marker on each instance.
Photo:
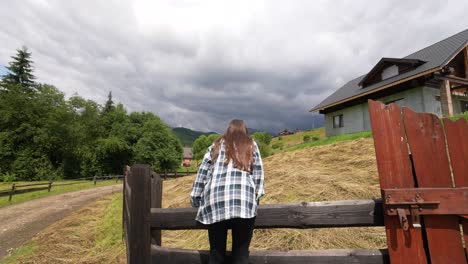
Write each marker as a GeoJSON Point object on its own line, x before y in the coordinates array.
{"type": "Point", "coordinates": [18, 198]}
{"type": "Point", "coordinates": [93, 234]}
{"type": "Point", "coordinates": [338, 171]}
{"type": "Point", "coordinates": [283, 142]}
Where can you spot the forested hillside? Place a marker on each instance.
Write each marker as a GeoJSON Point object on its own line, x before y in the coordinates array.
{"type": "Point", "coordinates": [188, 136]}
{"type": "Point", "coordinates": [44, 135]}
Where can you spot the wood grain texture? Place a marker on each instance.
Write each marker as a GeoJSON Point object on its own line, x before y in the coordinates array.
{"type": "Point", "coordinates": [336, 256]}
{"type": "Point", "coordinates": [296, 215]}
{"type": "Point", "coordinates": [426, 140]}
{"type": "Point", "coordinates": [395, 171]}
{"type": "Point", "coordinates": [457, 141]}
{"type": "Point", "coordinates": [156, 202]}
{"type": "Point", "coordinates": [139, 239]}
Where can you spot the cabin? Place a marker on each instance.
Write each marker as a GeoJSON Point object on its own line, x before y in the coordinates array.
{"type": "Point", "coordinates": [188, 156]}
{"type": "Point", "coordinates": [433, 79]}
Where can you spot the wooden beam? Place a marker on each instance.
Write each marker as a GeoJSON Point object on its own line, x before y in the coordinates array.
{"type": "Point", "coordinates": [296, 215]}
{"type": "Point", "coordinates": [446, 98]}
{"type": "Point", "coordinates": [161, 255]}
{"type": "Point", "coordinates": [465, 51]}
{"type": "Point", "coordinates": [452, 79]}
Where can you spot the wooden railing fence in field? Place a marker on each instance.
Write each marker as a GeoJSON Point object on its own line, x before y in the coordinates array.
{"type": "Point", "coordinates": [144, 219]}
{"type": "Point", "coordinates": [26, 188]}
{"type": "Point", "coordinates": [423, 171]}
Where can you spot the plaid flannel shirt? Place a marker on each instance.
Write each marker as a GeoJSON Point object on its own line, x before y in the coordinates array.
{"type": "Point", "coordinates": [222, 192]}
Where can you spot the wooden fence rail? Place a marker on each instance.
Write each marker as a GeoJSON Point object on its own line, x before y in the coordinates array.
{"type": "Point", "coordinates": [18, 189]}
{"type": "Point", "coordinates": [144, 218]}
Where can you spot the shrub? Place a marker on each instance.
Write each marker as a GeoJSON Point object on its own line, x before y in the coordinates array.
{"type": "Point", "coordinates": [306, 138]}
{"type": "Point", "coordinates": [280, 138]}
{"type": "Point", "coordinates": [9, 177]}
{"type": "Point", "coordinates": [277, 145]}
{"type": "Point", "coordinates": [315, 138]}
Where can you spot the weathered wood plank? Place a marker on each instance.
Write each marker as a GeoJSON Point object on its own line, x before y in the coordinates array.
{"type": "Point", "coordinates": [30, 190]}
{"type": "Point", "coordinates": [162, 255]}
{"type": "Point", "coordinates": [156, 202]}
{"type": "Point", "coordinates": [139, 231]}
{"type": "Point", "coordinates": [395, 171]}
{"type": "Point", "coordinates": [457, 141]}
{"type": "Point", "coordinates": [295, 215]}
{"type": "Point", "coordinates": [426, 140]}
{"type": "Point", "coordinates": [33, 184]}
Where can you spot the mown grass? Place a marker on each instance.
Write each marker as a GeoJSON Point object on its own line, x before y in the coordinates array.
{"type": "Point", "coordinates": [93, 234]}
{"type": "Point", "coordinates": [345, 170]}
{"type": "Point", "coordinates": [19, 198]}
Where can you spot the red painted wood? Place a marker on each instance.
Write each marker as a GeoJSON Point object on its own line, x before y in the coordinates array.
{"type": "Point", "coordinates": [427, 144]}
{"type": "Point", "coordinates": [395, 171]}
{"type": "Point", "coordinates": [457, 140]}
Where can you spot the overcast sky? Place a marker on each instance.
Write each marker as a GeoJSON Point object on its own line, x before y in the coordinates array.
{"type": "Point", "coordinates": [199, 64]}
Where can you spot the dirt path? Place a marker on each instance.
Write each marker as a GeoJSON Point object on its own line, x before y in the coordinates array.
{"type": "Point", "coordinates": [20, 222]}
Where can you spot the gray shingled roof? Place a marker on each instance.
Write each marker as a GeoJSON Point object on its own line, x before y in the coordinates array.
{"type": "Point", "coordinates": [435, 56]}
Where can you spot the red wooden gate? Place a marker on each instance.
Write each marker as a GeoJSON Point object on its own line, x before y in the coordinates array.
{"type": "Point", "coordinates": [423, 171]}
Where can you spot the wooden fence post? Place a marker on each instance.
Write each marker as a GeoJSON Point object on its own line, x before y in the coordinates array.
{"type": "Point", "coordinates": [156, 202]}
{"type": "Point", "coordinates": [50, 186]}
{"type": "Point", "coordinates": [94, 179]}
{"type": "Point", "coordinates": [12, 192]}
{"type": "Point", "coordinates": [139, 230]}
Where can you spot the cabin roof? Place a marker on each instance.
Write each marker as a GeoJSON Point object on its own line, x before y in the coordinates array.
{"type": "Point", "coordinates": [435, 56]}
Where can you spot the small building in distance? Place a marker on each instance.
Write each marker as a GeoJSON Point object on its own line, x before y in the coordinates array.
{"type": "Point", "coordinates": [433, 79]}
{"type": "Point", "coordinates": [188, 156]}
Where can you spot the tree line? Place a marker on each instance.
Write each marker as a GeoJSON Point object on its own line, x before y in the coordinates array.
{"type": "Point", "coordinates": [44, 135]}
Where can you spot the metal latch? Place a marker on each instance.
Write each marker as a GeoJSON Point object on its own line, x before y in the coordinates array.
{"type": "Point", "coordinates": [412, 207]}
{"type": "Point", "coordinates": [415, 202]}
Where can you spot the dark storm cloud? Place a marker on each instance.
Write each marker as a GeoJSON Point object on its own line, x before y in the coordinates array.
{"type": "Point", "coordinates": [199, 64]}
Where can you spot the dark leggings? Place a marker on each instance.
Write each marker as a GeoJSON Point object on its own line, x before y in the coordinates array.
{"type": "Point", "coordinates": [242, 230]}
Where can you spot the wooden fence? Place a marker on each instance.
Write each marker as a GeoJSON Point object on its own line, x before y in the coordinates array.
{"type": "Point", "coordinates": [143, 220]}
{"type": "Point", "coordinates": [34, 187]}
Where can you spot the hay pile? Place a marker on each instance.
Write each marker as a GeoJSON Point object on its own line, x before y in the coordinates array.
{"type": "Point", "coordinates": [341, 171]}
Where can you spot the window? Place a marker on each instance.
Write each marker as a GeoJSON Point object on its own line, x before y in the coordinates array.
{"type": "Point", "coordinates": [338, 121]}
{"type": "Point", "coordinates": [464, 106]}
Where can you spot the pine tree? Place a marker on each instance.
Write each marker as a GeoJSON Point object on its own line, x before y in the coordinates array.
{"type": "Point", "coordinates": [21, 69]}
{"type": "Point", "coordinates": [109, 106]}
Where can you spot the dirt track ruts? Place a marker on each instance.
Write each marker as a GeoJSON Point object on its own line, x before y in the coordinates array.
{"type": "Point", "coordinates": [20, 222]}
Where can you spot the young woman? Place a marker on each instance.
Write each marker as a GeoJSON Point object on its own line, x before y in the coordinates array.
{"type": "Point", "coordinates": [226, 191]}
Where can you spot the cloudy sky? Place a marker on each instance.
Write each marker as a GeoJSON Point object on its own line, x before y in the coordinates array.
{"type": "Point", "coordinates": [199, 64]}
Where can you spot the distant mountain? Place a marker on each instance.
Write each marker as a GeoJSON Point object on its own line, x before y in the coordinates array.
{"type": "Point", "coordinates": [3, 70]}
{"type": "Point", "coordinates": [187, 136]}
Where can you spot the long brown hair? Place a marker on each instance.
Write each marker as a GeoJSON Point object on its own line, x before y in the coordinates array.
{"type": "Point", "coordinates": [238, 146]}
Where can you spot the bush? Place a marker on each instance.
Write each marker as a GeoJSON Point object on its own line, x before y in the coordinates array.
{"type": "Point", "coordinates": [315, 138]}
{"type": "Point", "coordinates": [277, 145]}
{"type": "Point", "coordinates": [280, 138]}
{"type": "Point", "coordinates": [9, 177]}
{"type": "Point", "coordinates": [306, 138]}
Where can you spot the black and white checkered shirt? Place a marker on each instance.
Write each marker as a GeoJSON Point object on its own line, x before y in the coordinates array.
{"type": "Point", "coordinates": [223, 192]}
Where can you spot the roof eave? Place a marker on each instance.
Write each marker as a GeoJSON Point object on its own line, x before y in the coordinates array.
{"type": "Point", "coordinates": [315, 109]}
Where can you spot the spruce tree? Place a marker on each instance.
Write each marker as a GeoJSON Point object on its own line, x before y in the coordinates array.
{"type": "Point", "coordinates": [20, 69]}
{"type": "Point", "coordinates": [109, 106]}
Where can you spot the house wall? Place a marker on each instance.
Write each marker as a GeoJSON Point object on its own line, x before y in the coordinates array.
{"type": "Point", "coordinates": [420, 99]}
{"type": "Point", "coordinates": [356, 118]}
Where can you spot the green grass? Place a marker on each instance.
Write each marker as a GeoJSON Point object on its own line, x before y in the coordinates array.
{"type": "Point", "coordinates": [18, 198]}
{"type": "Point", "coordinates": [95, 232]}
{"type": "Point", "coordinates": [458, 116]}
{"type": "Point", "coordinates": [26, 250]}
{"type": "Point", "coordinates": [331, 140]}
{"type": "Point", "coordinates": [108, 229]}
{"type": "Point", "coordinates": [281, 143]}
